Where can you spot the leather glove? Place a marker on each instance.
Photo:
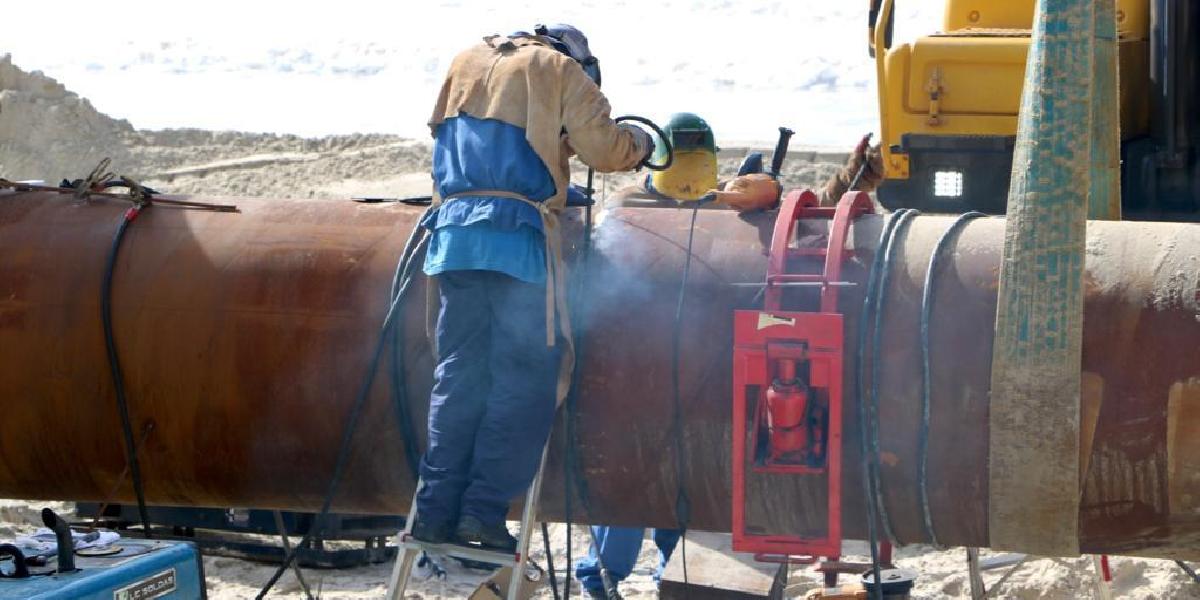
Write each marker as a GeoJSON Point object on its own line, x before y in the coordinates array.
{"type": "Point", "coordinates": [644, 141]}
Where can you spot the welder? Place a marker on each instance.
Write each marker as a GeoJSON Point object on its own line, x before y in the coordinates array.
{"type": "Point", "coordinates": [693, 170]}
{"type": "Point", "coordinates": [511, 112]}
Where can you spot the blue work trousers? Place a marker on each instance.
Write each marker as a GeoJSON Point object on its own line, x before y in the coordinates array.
{"type": "Point", "coordinates": [619, 549]}
{"type": "Point", "coordinates": [493, 399]}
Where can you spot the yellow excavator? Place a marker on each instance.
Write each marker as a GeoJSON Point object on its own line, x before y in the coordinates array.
{"type": "Point", "coordinates": [948, 105]}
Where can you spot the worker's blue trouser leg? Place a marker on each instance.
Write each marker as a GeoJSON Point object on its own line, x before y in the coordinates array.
{"type": "Point", "coordinates": [666, 540]}
{"type": "Point", "coordinates": [493, 399]}
{"type": "Point", "coordinates": [619, 549]}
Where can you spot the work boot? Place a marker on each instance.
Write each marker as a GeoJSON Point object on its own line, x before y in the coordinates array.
{"type": "Point", "coordinates": [602, 595]}
{"type": "Point", "coordinates": [471, 532]}
{"type": "Point", "coordinates": [431, 532]}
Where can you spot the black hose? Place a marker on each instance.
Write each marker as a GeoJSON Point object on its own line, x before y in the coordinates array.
{"type": "Point", "coordinates": [885, 275]}
{"type": "Point", "coordinates": [927, 297]}
{"type": "Point", "coordinates": [343, 454]}
{"type": "Point", "coordinates": [65, 545]}
{"type": "Point", "coordinates": [550, 559]}
{"type": "Point", "coordinates": [1190, 571]}
{"type": "Point", "coordinates": [114, 365]}
{"type": "Point", "coordinates": [860, 397]}
{"type": "Point", "coordinates": [683, 505]}
{"type": "Point", "coordinates": [571, 464]}
{"type": "Point", "coordinates": [661, 136]}
{"type": "Point", "coordinates": [404, 271]}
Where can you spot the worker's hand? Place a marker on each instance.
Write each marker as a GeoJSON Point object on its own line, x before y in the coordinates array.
{"type": "Point", "coordinates": [873, 174]}
{"type": "Point", "coordinates": [644, 140]}
{"type": "Point", "coordinates": [864, 158]}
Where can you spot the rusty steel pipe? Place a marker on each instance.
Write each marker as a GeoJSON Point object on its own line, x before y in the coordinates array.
{"type": "Point", "coordinates": [244, 337]}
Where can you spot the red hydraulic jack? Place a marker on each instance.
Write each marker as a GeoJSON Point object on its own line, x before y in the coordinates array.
{"type": "Point", "coordinates": [787, 383]}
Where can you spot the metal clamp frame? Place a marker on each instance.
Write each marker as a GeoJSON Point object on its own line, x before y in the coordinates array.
{"type": "Point", "coordinates": [763, 341]}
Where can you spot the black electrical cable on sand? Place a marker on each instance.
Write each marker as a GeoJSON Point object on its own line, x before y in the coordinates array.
{"type": "Point", "coordinates": [1190, 571]}
{"type": "Point", "coordinates": [343, 454]}
{"type": "Point", "coordinates": [860, 396]}
{"type": "Point", "coordinates": [550, 560]}
{"type": "Point", "coordinates": [114, 364]}
{"type": "Point", "coordinates": [885, 275]}
{"type": "Point", "coordinates": [927, 296]}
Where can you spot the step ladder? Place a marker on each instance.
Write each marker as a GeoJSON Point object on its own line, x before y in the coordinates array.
{"type": "Point", "coordinates": [410, 548]}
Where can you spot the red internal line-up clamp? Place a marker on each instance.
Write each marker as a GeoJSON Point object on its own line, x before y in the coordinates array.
{"type": "Point", "coordinates": [787, 381]}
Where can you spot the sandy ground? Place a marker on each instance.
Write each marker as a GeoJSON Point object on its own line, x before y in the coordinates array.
{"type": "Point", "coordinates": [48, 133]}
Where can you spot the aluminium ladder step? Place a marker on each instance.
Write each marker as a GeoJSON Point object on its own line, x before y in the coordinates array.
{"type": "Point", "coordinates": [409, 548]}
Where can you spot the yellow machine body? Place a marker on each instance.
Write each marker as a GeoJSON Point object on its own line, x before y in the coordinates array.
{"type": "Point", "coordinates": [965, 82]}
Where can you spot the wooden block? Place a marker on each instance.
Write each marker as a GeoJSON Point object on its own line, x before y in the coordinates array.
{"type": "Point", "coordinates": [715, 572]}
{"type": "Point", "coordinates": [853, 591]}
{"type": "Point", "coordinates": [496, 586]}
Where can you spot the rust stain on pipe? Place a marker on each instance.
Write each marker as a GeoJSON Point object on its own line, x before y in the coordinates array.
{"type": "Point", "coordinates": [245, 336]}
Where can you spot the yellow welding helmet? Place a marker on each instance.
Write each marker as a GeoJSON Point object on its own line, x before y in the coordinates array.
{"type": "Point", "coordinates": [694, 171]}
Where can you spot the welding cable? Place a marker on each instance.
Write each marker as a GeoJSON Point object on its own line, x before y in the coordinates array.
{"type": "Point", "coordinates": [881, 290]}
{"type": "Point", "coordinates": [1190, 571]}
{"type": "Point", "coordinates": [860, 396]}
{"type": "Point", "coordinates": [683, 505]}
{"type": "Point", "coordinates": [281, 527]}
{"type": "Point", "coordinates": [550, 560]}
{"type": "Point", "coordinates": [404, 272]}
{"type": "Point", "coordinates": [114, 364]}
{"type": "Point", "coordinates": [927, 296]}
{"type": "Point", "coordinates": [662, 136]}
{"type": "Point", "coordinates": [343, 455]}
{"type": "Point", "coordinates": [569, 466]}
{"type": "Point", "coordinates": [575, 479]}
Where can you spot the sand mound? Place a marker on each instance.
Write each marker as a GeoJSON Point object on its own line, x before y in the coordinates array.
{"type": "Point", "coordinates": [48, 132]}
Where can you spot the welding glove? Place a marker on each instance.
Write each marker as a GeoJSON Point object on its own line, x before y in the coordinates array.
{"type": "Point", "coordinates": [868, 159]}
{"type": "Point", "coordinates": [645, 141]}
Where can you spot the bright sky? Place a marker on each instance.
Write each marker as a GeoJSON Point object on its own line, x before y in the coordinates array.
{"type": "Point", "coordinates": [358, 65]}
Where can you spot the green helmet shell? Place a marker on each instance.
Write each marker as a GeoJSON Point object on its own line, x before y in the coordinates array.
{"type": "Point", "coordinates": [693, 172]}
{"type": "Point", "coordinates": [687, 132]}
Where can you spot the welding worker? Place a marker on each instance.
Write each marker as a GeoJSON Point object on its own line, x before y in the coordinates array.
{"type": "Point", "coordinates": [511, 112]}
{"type": "Point", "coordinates": [693, 170]}
{"type": "Point", "coordinates": [619, 549]}
{"type": "Point", "coordinates": [753, 191]}
{"type": "Point", "coordinates": [693, 175]}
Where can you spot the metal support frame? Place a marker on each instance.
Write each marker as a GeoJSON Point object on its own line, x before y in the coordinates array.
{"type": "Point", "coordinates": [232, 532]}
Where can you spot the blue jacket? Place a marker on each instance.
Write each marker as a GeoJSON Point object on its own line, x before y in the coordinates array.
{"type": "Point", "coordinates": [487, 232]}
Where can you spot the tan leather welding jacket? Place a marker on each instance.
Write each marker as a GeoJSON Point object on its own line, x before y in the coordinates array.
{"type": "Point", "coordinates": [525, 82]}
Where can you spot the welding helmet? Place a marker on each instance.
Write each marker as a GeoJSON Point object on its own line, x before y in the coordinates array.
{"type": "Point", "coordinates": [571, 41]}
{"type": "Point", "coordinates": [694, 170]}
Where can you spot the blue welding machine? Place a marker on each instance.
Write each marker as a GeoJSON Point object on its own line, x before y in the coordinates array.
{"type": "Point", "coordinates": [131, 570]}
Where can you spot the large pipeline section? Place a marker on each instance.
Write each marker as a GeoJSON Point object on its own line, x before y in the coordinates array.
{"type": "Point", "coordinates": [244, 337]}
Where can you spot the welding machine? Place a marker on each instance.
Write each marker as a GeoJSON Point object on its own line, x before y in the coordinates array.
{"type": "Point", "coordinates": [127, 570]}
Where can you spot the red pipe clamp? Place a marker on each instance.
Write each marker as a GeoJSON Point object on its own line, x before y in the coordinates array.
{"type": "Point", "coordinates": [787, 383]}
